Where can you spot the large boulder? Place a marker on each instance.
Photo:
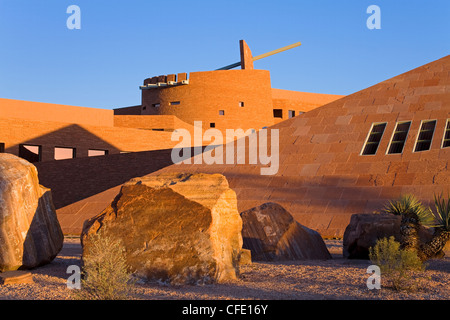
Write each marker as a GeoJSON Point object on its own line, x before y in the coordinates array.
{"type": "Point", "coordinates": [30, 234]}
{"type": "Point", "coordinates": [271, 234]}
{"type": "Point", "coordinates": [176, 228]}
{"type": "Point", "coordinates": [365, 229]}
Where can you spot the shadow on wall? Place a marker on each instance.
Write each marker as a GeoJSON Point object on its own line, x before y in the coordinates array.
{"type": "Point", "coordinates": [73, 180]}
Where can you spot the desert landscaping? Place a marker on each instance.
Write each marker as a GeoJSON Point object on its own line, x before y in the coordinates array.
{"type": "Point", "coordinates": [181, 237]}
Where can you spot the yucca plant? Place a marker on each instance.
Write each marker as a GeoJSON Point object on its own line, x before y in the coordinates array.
{"type": "Point", "coordinates": [413, 213]}
{"type": "Point", "coordinates": [440, 221]}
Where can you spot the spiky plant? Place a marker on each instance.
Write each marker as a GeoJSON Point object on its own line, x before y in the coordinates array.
{"type": "Point", "coordinates": [440, 221]}
{"type": "Point", "coordinates": [412, 212]}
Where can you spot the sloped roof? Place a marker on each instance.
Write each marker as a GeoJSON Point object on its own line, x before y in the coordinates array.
{"type": "Point", "coordinates": [322, 178]}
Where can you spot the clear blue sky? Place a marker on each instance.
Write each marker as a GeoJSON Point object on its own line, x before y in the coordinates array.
{"type": "Point", "coordinates": [123, 42]}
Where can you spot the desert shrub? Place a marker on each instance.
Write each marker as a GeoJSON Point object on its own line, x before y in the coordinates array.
{"type": "Point", "coordinates": [105, 273]}
{"type": "Point", "coordinates": [400, 268]}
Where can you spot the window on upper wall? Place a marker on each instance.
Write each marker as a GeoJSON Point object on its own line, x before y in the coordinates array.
{"type": "Point", "coordinates": [31, 153]}
{"type": "Point", "coordinates": [373, 139]}
{"type": "Point", "coordinates": [241, 104]}
{"type": "Point", "coordinates": [96, 153]}
{"type": "Point", "coordinates": [175, 103]}
{"type": "Point", "coordinates": [425, 136]}
{"type": "Point", "coordinates": [300, 113]}
{"type": "Point", "coordinates": [221, 112]}
{"type": "Point", "coordinates": [291, 113]}
{"type": "Point", "coordinates": [2, 147]}
{"type": "Point", "coordinates": [399, 137]}
{"type": "Point", "coordinates": [62, 153]}
{"type": "Point", "coordinates": [278, 113]}
{"type": "Point", "coordinates": [156, 105]}
{"type": "Point", "coordinates": [446, 139]}
{"type": "Point", "coordinates": [212, 125]}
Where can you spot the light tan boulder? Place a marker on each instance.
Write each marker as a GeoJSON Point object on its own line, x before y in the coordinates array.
{"type": "Point", "coordinates": [30, 234]}
{"type": "Point", "coordinates": [176, 228]}
{"type": "Point", "coordinates": [271, 234]}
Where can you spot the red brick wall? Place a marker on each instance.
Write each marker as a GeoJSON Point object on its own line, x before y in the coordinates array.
{"type": "Point", "coordinates": [55, 112]}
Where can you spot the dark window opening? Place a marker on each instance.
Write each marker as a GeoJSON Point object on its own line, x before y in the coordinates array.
{"type": "Point", "coordinates": [157, 129]}
{"type": "Point", "coordinates": [144, 108]}
{"type": "Point", "coordinates": [62, 153]}
{"type": "Point", "coordinates": [241, 104]}
{"type": "Point", "coordinates": [374, 138]}
{"type": "Point", "coordinates": [221, 112]}
{"type": "Point", "coordinates": [175, 103]}
{"type": "Point", "coordinates": [156, 105]}
{"type": "Point", "coordinates": [399, 138]}
{"type": "Point", "coordinates": [446, 142]}
{"type": "Point", "coordinates": [30, 153]}
{"type": "Point", "coordinates": [291, 113]}
{"type": "Point", "coordinates": [96, 153]}
{"type": "Point", "coordinates": [278, 113]}
{"type": "Point", "coordinates": [2, 147]}
{"type": "Point", "coordinates": [425, 136]}
{"type": "Point", "coordinates": [212, 125]}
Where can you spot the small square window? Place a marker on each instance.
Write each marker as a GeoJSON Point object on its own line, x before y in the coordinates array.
{"type": "Point", "coordinates": [291, 114]}
{"type": "Point", "coordinates": [62, 153]}
{"type": "Point", "coordinates": [221, 112]}
{"type": "Point", "coordinates": [425, 136]}
{"type": "Point", "coordinates": [300, 113]}
{"type": "Point", "coordinates": [144, 108]}
{"type": "Point", "coordinates": [241, 104]}
{"type": "Point", "coordinates": [278, 113]}
{"type": "Point", "coordinates": [212, 125]}
{"type": "Point", "coordinates": [31, 153]}
{"type": "Point", "coordinates": [156, 105]}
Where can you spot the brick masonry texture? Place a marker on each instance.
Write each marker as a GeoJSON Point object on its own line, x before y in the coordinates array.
{"type": "Point", "coordinates": [322, 179]}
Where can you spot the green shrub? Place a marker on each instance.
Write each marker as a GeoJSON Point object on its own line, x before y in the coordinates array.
{"type": "Point", "coordinates": [397, 266]}
{"type": "Point", "coordinates": [105, 274]}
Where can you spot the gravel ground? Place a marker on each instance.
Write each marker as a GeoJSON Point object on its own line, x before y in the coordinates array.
{"type": "Point", "coordinates": [333, 279]}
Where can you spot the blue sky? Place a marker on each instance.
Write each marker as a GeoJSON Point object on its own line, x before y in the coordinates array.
{"type": "Point", "coordinates": [121, 43]}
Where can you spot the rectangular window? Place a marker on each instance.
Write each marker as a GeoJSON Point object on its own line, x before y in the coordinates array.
{"type": "Point", "coordinates": [446, 140]}
{"type": "Point", "coordinates": [156, 105]}
{"type": "Point", "coordinates": [278, 113]}
{"type": "Point", "coordinates": [212, 125]}
{"type": "Point", "coordinates": [425, 136]}
{"type": "Point", "coordinates": [300, 113]}
{"type": "Point", "coordinates": [221, 112]}
{"type": "Point", "coordinates": [62, 153]}
{"type": "Point", "coordinates": [175, 103]}
{"type": "Point", "coordinates": [241, 104]}
{"type": "Point", "coordinates": [399, 137]}
{"type": "Point", "coordinates": [96, 153]}
{"type": "Point", "coordinates": [31, 153]}
{"type": "Point", "coordinates": [373, 139]}
{"type": "Point", "coordinates": [291, 113]}
{"type": "Point", "coordinates": [2, 147]}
